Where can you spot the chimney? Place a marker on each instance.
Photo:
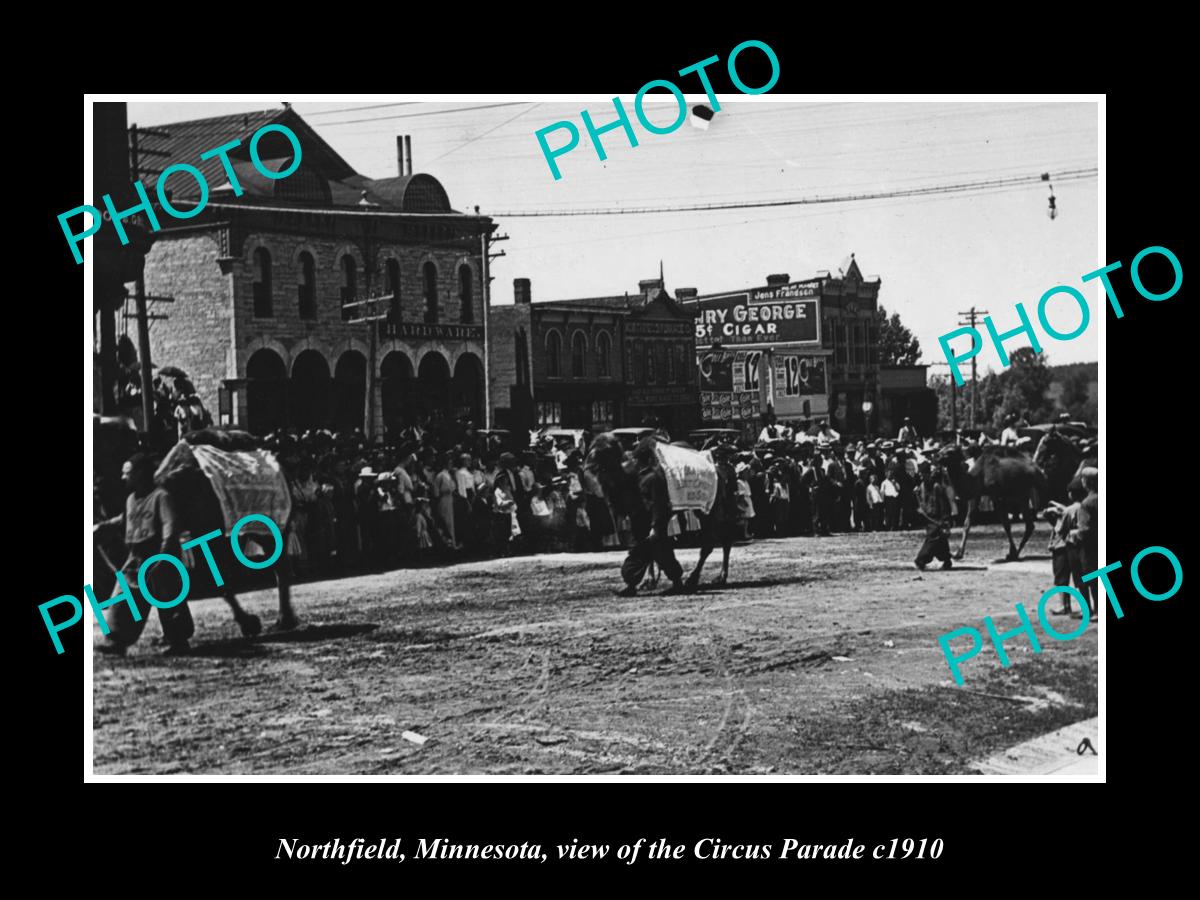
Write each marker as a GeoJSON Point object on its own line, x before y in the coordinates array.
{"type": "Point", "coordinates": [646, 285]}
{"type": "Point", "coordinates": [777, 280]}
{"type": "Point", "coordinates": [400, 153]}
{"type": "Point", "coordinates": [521, 291]}
{"type": "Point", "coordinates": [686, 293]}
{"type": "Point", "coordinates": [408, 154]}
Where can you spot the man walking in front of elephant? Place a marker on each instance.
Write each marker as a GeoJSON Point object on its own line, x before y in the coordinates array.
{"type": "Point", "coordinates": [151, 528]}
{"type": "Point", "coordinates": [651, 542]}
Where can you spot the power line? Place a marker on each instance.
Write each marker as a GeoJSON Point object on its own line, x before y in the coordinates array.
{"type": "Point", "coordinates": [330, 112]}
{"type": "Point", "coordinates": [961, 187]}
{"type": "Point", "coordinates": [432, 112]}
{"type": "Point", "coordinates": [485, 134]}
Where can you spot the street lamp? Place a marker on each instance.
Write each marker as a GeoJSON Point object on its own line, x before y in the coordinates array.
{"type": "Point", "coordinates": [867, 406]}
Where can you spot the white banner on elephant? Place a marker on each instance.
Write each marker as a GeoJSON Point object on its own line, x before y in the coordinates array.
{"type": "Point", "coordinates": [691, 477]}
{"type": "Point", "coordinates": [245, 482]}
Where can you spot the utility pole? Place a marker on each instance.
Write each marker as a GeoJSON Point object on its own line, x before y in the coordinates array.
{"type": "Point", "coordinates": [143, 328]}
{"type": "Point", "coordinates": [370, 316]}
{"type": "Point", "coordinates": [970, 316]}
{"type": "Point", "coordinates": [953, 400]}
{"type": "Point", "coordinates": [486, 240]}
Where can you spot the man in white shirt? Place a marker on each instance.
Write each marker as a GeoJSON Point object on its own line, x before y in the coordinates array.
{"type": "Point", "coordinates": [1009, 436]}
{"type": "Point", "coordinates": [827, 433]}
{"type": "Point", "coordinates": [770, 432]}
{"type": "Point", "coordinates": [908, 434]}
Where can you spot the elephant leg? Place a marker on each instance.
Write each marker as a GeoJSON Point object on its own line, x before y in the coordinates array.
{"type": "Point", "coordinates": [251, 625]}
{"type": "Point", "coordinates": [962, 547]}
{"type": "Point", "coordinates": [1030, 525]}
{"type": "Point", "coordinates": [725, 548]}
{"type": "Point", "coordinates": [706, 549]}
{"type": "Point", "coordinates": [287, 616]}
{"type": "Point", "coordinates": [1013, 553]}
{"type": "Point", "coordinates": [693, 580]}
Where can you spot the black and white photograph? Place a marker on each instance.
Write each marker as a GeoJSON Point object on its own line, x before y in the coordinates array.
{"type": "Point", "coordinates": [578, 437]}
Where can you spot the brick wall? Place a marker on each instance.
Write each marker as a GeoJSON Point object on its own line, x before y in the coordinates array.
{"type": "Point", "coordinates": [212, 337]}
{"type": "Point", "coordinates": [502, 350]}
{"type": "Point", "coordinates": [327, 333]}
{"type": "Point", "coordinates": [197, 337]}
{"type": "Point", "coordinates": [566, 325]}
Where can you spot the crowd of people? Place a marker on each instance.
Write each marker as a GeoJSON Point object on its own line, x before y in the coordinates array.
{"type": "Point", "coordinates": [437, 495]}
{"type": "Point", "coordinates": [447, 492]}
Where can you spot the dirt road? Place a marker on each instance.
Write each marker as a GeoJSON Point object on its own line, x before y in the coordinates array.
{"type": "Point", "coordinates": [820, 656]}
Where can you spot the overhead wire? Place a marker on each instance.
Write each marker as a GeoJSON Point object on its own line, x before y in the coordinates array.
{"type": "Point", "coordinates": [954, 188]}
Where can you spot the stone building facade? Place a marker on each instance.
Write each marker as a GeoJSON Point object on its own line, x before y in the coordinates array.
{"type": "Point", "coordinates": [594, 363]}
{"type": "Point", "coordinates": [262, 286]}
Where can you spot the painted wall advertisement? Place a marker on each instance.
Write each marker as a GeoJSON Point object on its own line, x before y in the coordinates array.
{"type": "Point", "coordinates": [737, 385]}
{"type": "Point", "coordinates": [800, 387]}
{"type": "Point", "coordinates": [785, 314]}
{"type": "Point", "coordinates": [730, 385]}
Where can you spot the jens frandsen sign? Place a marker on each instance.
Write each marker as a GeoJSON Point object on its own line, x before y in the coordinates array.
{"type": "Point", "coordinates": [785, 314]}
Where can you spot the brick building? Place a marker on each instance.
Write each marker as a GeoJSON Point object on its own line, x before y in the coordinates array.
{"type": "Point", "coordinates": [595, 362]}
{"type": "Point", "coordinates": [804, 349]}
{"type": "Point", "coordinates": [261, 281]}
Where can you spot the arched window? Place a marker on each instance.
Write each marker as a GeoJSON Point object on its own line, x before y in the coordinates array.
{"type": "Point", "coordinates": [603, 353]}
{"type": "Point", "coordinates": [464, 294]}
{"type": "Point", "coordinates": [393, 288]}
{"type": "Point", "coordinates": [429, 289]}
{"type": "Point", "coordinates": [669, 377]}
{"type": "Point", "coordinates": [681, 367]}
{"type": "Point", "coordinates": [650, 373]}
{"type": "Point", "coordinates": [307, 286]}
{"type": "Point", "coordinates": [553, 355]}
{"type": "Point", "coordinates": [578, 354]}
{"type": "Point", "coordinates": [349, 288]}
{"type": "Point", "coordinates": [262, 284]}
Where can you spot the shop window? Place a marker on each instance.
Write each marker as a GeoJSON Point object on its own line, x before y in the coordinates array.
{"type": "Point", "coordinates": [349, 288]}
{"type": "Point", "coordinates": [306, 286]}
{"type": "Point", "coordinates": [578, 354]}
{"type": "Point", "coordinates": [553, 355]}
{"type": "Point", "coordinates": [262, 284]}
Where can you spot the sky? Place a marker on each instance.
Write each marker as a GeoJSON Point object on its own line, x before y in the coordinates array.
{"type": "Point", "coordinates": [936, 255]}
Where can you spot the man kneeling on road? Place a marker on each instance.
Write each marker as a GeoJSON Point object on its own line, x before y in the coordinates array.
{"type": "Point", "coordinates": [935, 507]}
{"type": "Point", "coordinates": [650, 540]}
{"type": "Point", "coordinates": [151, 527]}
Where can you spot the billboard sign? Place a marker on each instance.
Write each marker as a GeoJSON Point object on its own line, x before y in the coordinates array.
{"type": "Point", "coordinates": [784, 314]}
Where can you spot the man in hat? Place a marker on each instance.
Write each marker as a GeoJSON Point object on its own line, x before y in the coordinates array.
{"type": "Point", "coordinates": [908, 434]}
{"type": "Point", "coordinates": [827, 433]}
{"type": "Point", "coordinates": [1084, 540]}
{"type": "Point", "coordinates": [366, 504]}
{"type": "Point", "coordinates": [649, 522]}
{"type": "Point", "coordinates": [1063, 520]}
{"type": "Point", "coordinates": [820, 496]}
{"type": "Point", "coordinates": [151, 527]}
{"type": "Point", "coordinates": [935, 508]}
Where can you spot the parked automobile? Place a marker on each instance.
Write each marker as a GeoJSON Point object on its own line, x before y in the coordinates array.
{"type": "Point", "coordinates": [630, 436]}
{"type": "Point", "coordinates": [577, 436]}
{"type": "Point", "coordinates": [704, 438]}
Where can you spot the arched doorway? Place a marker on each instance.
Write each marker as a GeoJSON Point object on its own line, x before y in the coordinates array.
{"type": "Point", "coordinates": [433, 386]}
{"type": "Point", "coordinates": [309, 392]}
{"type": "Point", "coordinates": [266, 392]}
{"type": "Point", "coordinates": [467, 393]}
{"type": "Point", "coordinates": [350, 391]}
{"type": "Point", "coordinates": [396, 372]}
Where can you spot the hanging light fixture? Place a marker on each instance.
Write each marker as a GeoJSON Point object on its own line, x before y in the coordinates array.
{"type": "Point", "coordinates": [1053, 211]}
